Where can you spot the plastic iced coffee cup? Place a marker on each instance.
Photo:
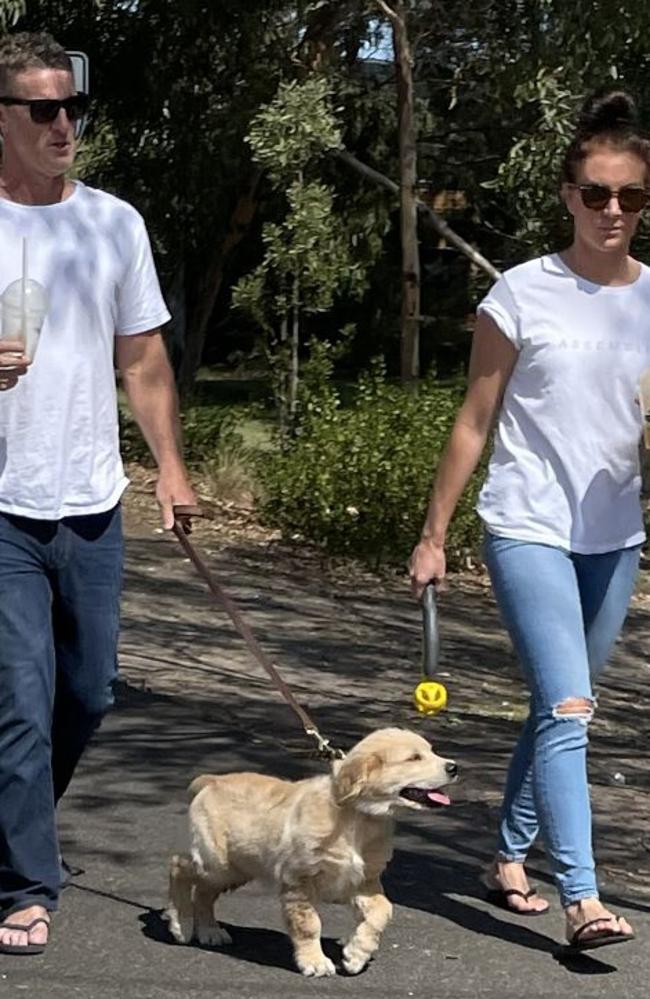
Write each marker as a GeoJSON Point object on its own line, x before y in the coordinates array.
{"type": "Point", "coordinates": [23, 306]}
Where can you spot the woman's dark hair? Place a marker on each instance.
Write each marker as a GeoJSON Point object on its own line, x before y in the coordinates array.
{"type": "Point", "coordinates": [610, 118]}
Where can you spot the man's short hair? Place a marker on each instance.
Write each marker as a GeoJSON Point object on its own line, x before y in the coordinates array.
{"type": "Point", "coordinates": [29, 50]}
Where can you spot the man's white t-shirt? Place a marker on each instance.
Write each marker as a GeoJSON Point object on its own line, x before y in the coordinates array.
{"type": "Point", "coordinates": [59, 449]}
{"type": "Point", "coordinates": [565, 467]}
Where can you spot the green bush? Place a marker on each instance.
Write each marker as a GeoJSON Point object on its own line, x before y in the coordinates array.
{"type": "Point", "coordinates": [229, 470]}
{"type": "Point", "coordinates": [356, 480]}
{"type": "Point", "coordinates": [133, 446]}
{"type": "Point", "coordinates": [203, 427]}
{"type": "Point", "coordinates": [215, 447]}
{"type": "Point", "coordinates": [203, 430]}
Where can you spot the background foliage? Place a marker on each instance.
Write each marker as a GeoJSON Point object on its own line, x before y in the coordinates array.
{"type": "Point", "coordinates": [178, 88]}
{"type": "Point", "coordinates": [356, 479]}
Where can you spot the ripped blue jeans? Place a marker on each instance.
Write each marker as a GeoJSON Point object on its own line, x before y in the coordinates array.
{"type": "Point", "coordinates": [563, 612]}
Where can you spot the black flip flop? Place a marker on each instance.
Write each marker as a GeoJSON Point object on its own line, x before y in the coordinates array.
{"type": "Point", "coordinates": [500, 896]}
{"type": "Point", "coordinates": [602, 939]}
{"type": "Point", "coordinates": [28, 948]}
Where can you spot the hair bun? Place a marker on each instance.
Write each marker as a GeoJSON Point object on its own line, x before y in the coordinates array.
{"type": "Point", "coordinates": [608, 111]}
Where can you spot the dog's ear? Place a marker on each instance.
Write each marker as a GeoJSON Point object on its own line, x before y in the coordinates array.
{"type": "Point", "coordinates": [350, 776]}
{"type": "Point", "coordinates": [198, 784]}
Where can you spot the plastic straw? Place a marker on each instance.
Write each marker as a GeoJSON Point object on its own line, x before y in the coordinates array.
{"type": "Point", "coordinates": [23, 294]}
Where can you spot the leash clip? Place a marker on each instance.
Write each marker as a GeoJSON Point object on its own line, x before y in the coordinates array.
{"type": "Point", "coordinates": [324, 748]}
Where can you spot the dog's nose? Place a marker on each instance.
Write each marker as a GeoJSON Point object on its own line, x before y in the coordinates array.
{"type": "Point", "coordinates": [451, 768]}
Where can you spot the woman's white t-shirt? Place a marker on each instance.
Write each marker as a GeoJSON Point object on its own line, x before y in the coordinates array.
{"type": "Point", "coordinates": [59, 449]}
{"type": "Point", "coordinates": [565, 466]}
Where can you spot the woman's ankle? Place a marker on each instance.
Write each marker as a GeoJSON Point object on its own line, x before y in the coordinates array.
{"type": "Point", "coordinates": [500, 861]}
{"type": "Point", "coordinates": [508, 873]}
{"type": "Point", "coordinates": [589, 906]}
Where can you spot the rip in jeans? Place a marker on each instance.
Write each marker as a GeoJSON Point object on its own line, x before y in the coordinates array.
{"type": "Point", "coordinates": [580, 709]}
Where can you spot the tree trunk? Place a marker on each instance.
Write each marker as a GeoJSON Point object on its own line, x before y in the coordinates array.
{"type": "Point", "coordinates": [295, 345]}
{"type": "Point", "coordinates": [410, 337]}
{"type": "Point", "coordinates": [295, 337]}
{"type": "Point", "coordinates": [210, 285]}
{"type": "Point", "coordinates": [282, 378]}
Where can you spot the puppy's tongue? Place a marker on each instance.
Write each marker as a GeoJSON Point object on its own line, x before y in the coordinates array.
{"type": "Point", "coordinates": [438, 797]}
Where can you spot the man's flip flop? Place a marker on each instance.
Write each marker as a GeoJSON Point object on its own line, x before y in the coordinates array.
{"type": "Point", "coordinates": [601, 939]}
{"type": "Point", "coordinates": [500, 896]}
{"type": "Point", "coordinates": [28, 948]}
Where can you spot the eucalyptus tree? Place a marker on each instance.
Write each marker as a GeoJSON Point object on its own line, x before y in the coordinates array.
{"type": "Point", "coordinates": [309, 251]}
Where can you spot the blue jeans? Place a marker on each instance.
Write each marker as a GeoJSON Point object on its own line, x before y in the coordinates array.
{"type": "Point", "coordinates": [59, 614]}
{"type": "Point", "coordinates": [563, 612]}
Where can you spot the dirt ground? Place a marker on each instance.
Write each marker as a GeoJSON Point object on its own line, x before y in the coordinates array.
{"type": "Point", "coordinates": [348, 643]}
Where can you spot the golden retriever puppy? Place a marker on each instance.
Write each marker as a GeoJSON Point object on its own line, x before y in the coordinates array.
{"type": "Point", "coordinates": [325, 838]}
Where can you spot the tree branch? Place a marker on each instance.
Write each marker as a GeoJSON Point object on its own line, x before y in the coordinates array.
{"type": "Point", "coordinates": [389, 12]}
{"type": "Point", "coordinates": [435, 220]}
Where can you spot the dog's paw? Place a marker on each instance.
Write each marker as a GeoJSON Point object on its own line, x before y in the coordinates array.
{"type": "Point", "coordinates": [213, 935]}
{"type": "Point", "coordinates": [181, 928]}
{"type": "Point", "coordinates": [318, 968]}
{"type": "Point", "coordinates": [355, 960]}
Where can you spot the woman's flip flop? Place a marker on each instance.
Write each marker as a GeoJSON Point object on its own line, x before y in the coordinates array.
{"type": "Point", "coordinates": [500, 896]}
{"type": "Point", "coordinates": [601, 939]}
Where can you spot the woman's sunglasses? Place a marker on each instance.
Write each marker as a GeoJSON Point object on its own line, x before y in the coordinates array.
{"type": "Point", "coordinates": [598, 196]}
{"type": "Point", "coordinates": [43, 111]}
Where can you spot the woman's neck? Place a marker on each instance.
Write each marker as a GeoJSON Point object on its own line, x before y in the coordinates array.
{"type": "Point", "coordinates": [601, 268]}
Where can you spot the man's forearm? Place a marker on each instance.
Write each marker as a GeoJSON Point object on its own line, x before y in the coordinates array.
{"type": "Point", "coordinates": [153, 401]}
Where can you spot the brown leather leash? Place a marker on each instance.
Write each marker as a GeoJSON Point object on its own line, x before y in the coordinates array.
{"type": "Point", "coordinates": [181, 528]}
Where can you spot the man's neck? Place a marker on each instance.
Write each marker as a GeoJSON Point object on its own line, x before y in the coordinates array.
{"type": "Point", "coordinates": [605, 268]}
{"type": "Point", "coordinates": [33, 190]}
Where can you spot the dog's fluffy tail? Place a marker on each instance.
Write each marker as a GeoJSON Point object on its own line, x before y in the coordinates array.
{"type": "Point", "coordinates": [199, 783]}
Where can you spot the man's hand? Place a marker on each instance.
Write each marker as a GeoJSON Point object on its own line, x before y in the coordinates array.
{"type": "Point", "coordinates": [427, 564]}
{"type": "Point", "coordinates": [173, 489]}
{"type": "Point", "coordinates": [13, 363]}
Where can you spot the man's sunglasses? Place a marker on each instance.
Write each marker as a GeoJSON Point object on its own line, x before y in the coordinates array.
{"type": "Point", "coordinates": [43, 110]}
{"type": "Point", "coordinates": [598, 196]}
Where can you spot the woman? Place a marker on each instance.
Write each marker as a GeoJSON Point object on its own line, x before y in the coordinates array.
{"type": "Point", "coordinates": [559, 347]}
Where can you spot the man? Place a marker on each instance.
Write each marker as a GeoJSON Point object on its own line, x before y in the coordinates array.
{"type": "Point", "coordinates": [61, 476]}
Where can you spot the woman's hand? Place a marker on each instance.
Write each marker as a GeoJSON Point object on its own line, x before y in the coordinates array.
{"type": "Point", "coordinates": [427, 564]}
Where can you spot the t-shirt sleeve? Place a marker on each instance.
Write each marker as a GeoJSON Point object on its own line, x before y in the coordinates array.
{"type": "Point", "coordinates": [140, 304]}
{"type": "Point", "coordinates": [499, 304]}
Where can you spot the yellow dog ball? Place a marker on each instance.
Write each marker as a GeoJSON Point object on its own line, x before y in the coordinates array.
{"type": "Point", "coordinates": [430, 697]}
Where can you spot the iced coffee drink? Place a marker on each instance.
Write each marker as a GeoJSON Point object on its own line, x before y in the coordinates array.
{"type": "Point", "coordinates": [23, 306]}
